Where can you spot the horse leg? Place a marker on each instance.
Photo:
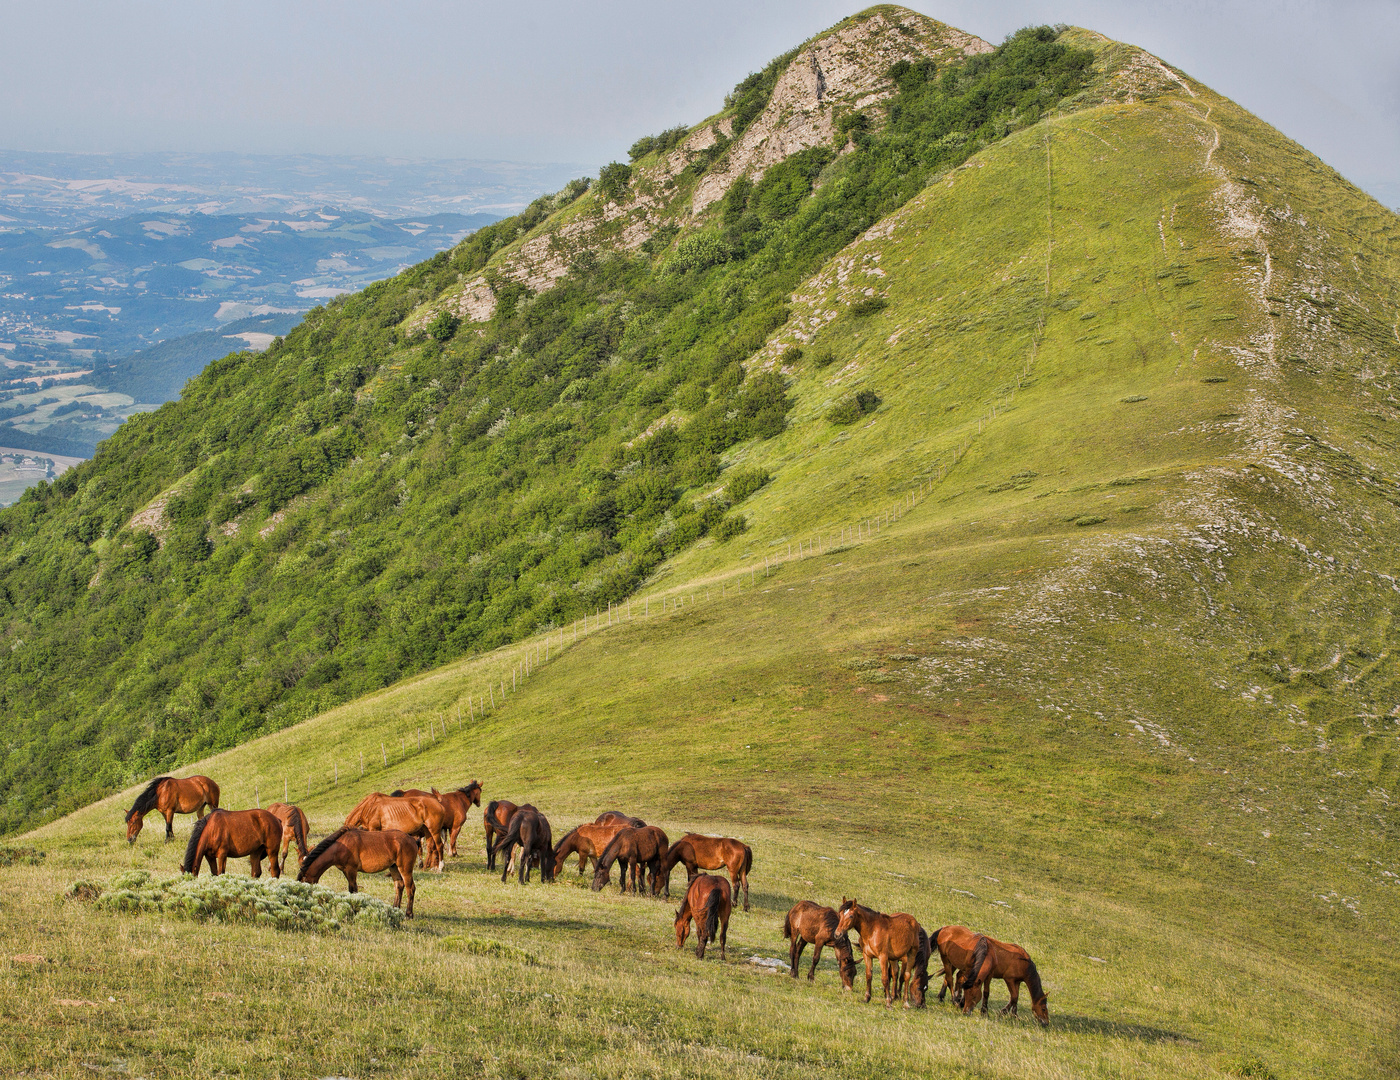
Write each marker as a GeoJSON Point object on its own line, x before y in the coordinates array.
{"type": "Point", "coordinates": [352, 879]}
{"type": "Point", "coordinates": [816, 956]}
{"type": "Point", "coordinates": [868, 975]}
{"type": "Point", "coordinates": [490, 851]}
{"type": "Point", "coordinates": [452, 839]}
{"type": "Point", "coordinates": [886, 978]}
{"type": "Point", "coordinates": [398, 884]}
{"type": "Point", "coordinates": [275, 863]}
{"type": "Point", "coordinates": [223, 862]}
{"type": "Point", "coordinates": [255, 865]}
{"type": "Point", "coordinates": [986, 993]}
{"type": "Point", "coordinates": [723, 937]}
{"type": "Point", "coordinates": [795, 951]}
{"type": "Point", "coordinates": [169, 823]}
{"type": "Point", "coordinates": [745, 874]}
{"type": "Point", "coordinates": [1013, 987]}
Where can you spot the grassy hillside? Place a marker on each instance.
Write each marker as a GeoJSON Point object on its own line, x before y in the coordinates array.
{"type": "Point", "coordinates": [1082, 636]}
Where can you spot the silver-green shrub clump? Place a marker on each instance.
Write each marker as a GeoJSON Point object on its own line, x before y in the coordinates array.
{"type": "Point", "coordinates": [283, 904]}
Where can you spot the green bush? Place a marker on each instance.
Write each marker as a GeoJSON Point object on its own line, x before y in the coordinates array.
{"type": "Point", "coordinates": [698, 251]}
{"type": "Point", "coordinates": [823, 358]}
{"type": "Point", "coordinates": [791, 354]}
{"type": "Point", "coordinates": [871, 305]}
{"type": "Point", "coordinates": [853, 406]}
{"type": "Point", "coordinates": [613, 181]}
{"type": "Point", "coordinates": [666, 141]}
{"type": "Point", "coordinates": [443, 326]}
{"type": "Point", "coordinates": [743, 482]}
{"type": "Point", "coordinates": [730, 527]}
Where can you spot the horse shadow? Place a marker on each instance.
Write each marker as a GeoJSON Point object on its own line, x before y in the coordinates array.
{"type": "Point", "coordinates": [535, 922]}
{"type": "Point", "coordinates": [1113, 1029]}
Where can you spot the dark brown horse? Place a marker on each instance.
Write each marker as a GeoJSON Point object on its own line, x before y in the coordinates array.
{"type": "Point", "coordinates": [171, 796]}
{"type": "Point", "coordinates": [711, 853]}
{"type": "Point", "coordinates": [811, 924]}
{"type": "Point", "coordinates": [530, 829]}
{"type": "Point", "coordinates": [993, 959]}
{"type": "Point", "coordinates": [294, 827]}
{"type": "Point", "coordinates": [417, 815]}
{"type": "Point", "coordinates": [617, 817]}
{"type": "Point", "coordinates": [222, 834]}
{"type": "Point", "coordinates": [708, 901]}
{"type": "Point", "coordinates": [587, 842]}
{"type": "Point", "coordinates": [457, 803]}
{"type": "Point", "coordinates": [955, 945]}
{"type": "Point", "coordinates": [638, 851]}
{"type": "Point", "coordinates": [895, 941]}
{"type": "Point", "coordinates": [363, 851]}
{"type": "Point", "coordinates": [496, 819]}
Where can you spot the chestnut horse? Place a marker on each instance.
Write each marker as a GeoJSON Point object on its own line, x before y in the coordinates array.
{"type": "Point", "coordinates": [955, 945]}
{"type": "Point", "coordinates": [224, 833]}
{"type": "Point", "coordinates": [417, 815]}
{"type": "Point", "coordinates": [294, 827]}
{"type": "Point", "coordinates": [358, 851]}
{"type": "Point", "coordinates": [993, 959]}
{"type": "Point", "coordinates": [496, 818]}
{"type": "Point", "coordinates": [639, 850]}
{"type": "Point", "coordinates": [171, 796]}
{"type": "Point", "coordinates": [617, 817]}
{"type": "Point", "coordinates": [709, 902]}
{"type": "Point", "coordinates": [811, 924]}
{"type": "Point", "coordinates": [456, 803]}
{"type": "Point", "coordinates": [587, 842]}
{"type": "Point", "coordinates": [530, 829]}
{"type": "Point", "coordinates": [895, 940]}
{"type": "Point", "coordinates": [710, 853]}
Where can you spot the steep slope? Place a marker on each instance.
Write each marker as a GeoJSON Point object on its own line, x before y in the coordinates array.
{"type": "Point", "coordinates": [366, 499]}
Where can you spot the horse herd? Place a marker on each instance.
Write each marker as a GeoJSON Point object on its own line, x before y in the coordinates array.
{"type": "Point", "coordinates": [404, 829]}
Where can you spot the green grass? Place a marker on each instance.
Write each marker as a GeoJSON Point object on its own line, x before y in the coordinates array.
{"type": "Point", "coordinates": [1118, 685]}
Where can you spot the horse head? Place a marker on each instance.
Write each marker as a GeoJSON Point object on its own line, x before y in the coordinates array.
{"type": "Point", "coordinates": [473, 793]}
{"type": "Point", "coordinates": [134, 821]}
{"type": "Point", "coordinates": [682, 926]}
{"type": "Point", "coordinates": [846, 961]}
{"type": "Point", "coordinates": [1040, 1010]}
{"type": "Point", "coordinates": [845, 916]}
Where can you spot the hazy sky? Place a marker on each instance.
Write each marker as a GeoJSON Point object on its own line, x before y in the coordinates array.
{"type": "Point", "coordinates": [550, 81]}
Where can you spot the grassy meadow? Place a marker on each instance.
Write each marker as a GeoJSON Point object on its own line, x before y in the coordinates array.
{"type": "Point", "coordinates": [1081, 639]}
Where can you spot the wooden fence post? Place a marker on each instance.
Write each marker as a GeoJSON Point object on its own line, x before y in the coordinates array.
{"type": "Point", "coordinates": [362, 763]}
{"type": "Point", "coordinates": [384, 754]}
{"type": "Point", "coordinates": [285, 795]}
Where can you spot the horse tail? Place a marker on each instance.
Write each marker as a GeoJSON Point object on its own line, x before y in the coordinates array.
{"type": "Point", "coordinates": [787, 926]}
{"type": "Point", "coordinates": [299, 834]}
{"type": "Point", "coordinates": [921, 961]}
{"type": "Point", "coordinates": [192, 848]}
{"type": "Point", "coordinates": [712, 906]}
{"type": "Point", "coordinates": [933, 940]}
{"type": "Point", "coordinates": [319, 850]}
{"type": "Point", "coordinates": [748, 861]}
{"type": "Point", "coordinates": [214, 789]}
{"type": "Point", "coordinates": [146, 801]}
{"type": "Point", "coordinates": [490, 815]}
{"type": "Point", "coordinates": [979, 957]}
{"type": "Point", "coordinates": [511, 834]}
{"type": "Point", "coordinates": [397, 793]}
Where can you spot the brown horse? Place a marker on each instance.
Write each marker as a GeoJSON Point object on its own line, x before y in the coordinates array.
{"type": "Point", "coordinates": [587, 842]}
{"type": "Point", "coordinates": [710, 853]}
{"type": "Point", "coordinates": [358, 851]}
{"type": "Point", "coordinates": [171, 796]}
{"type": "Point", "coordinates": [530, 829]}
{"type": "Point", "coordinates": [639, 850]}
{"type": "Point", "coordinates": [955, 945]}
{"type": "Point", "coordinates": [811, 924]}
{"type": "Point", "coordinates": [294, 827]}
{"type": "Point", "coordinates": [895, 940]}
{"type": "Point", "coordinates": [496, 819]}
{"type": "Point", "coordinates": [417, 815]}
{"type": "Point", "coordinates": [224, 833]}
{"type": "Point", "coordinates": [457, 803]}
{"type": "Point", "coordinates": [993, 959]}
{"type": "Point", "coordinates": [709, 902]}
{"type": "Point", "coordinates": [617, 817]}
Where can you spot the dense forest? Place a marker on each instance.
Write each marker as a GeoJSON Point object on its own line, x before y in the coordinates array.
{"type": "Point", "coordinates": [359, 503]}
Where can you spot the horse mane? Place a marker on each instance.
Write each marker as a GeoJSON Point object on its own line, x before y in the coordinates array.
{"type": "Point", "coordinates": [567, 837]}
{"type": "Point", "coordinates": [979, 957]}
{"type": "Point", "coordinates": [611, 852]}
{"type": "Point", "coordinates": [397, 793]}
{"type": "Point", "coordinates": [319, 850]}
{"type": "Point", "coordinates": [466, 789]}
{"type": "Point", "coordinates": [933, 940]}
{"type": "Point", "coordinates": [146, 801]}
{"type": "Point", "coordinates": [192, 848]}
{"type": "Point", "coordinates": [712, 905]}
{"type": "Point", "coordinates": [673, 854]}
{"type": "Point", "coordinates": [1033, 982]}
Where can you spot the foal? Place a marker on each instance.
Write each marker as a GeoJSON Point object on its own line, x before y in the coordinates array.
{"type": "Point", "coordinates": [708, 901]}
{"type": "Point", "coordinates": [895, 940]}
{"type": "Point", "coordinates": [811, 924]}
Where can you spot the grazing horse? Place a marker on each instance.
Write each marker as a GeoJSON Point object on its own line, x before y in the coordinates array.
{"type": "Point", "coordinates": [496, 818]}
{"type": "Point", "coordinates": [530, 829]}
{"type": "Point", "coordinates": [358, 851]}
{"type": "Point", "coordinates": [171, 796]}
{"type": "Point", "coordinates": [811, 924]}
{"type": "Point", "coordinates": [708, 901]}
{"type": "Point", "coordinates": [955, 945]}
{"type": "Point", "coordinates": [639, 850]}
{"type": "Point", "coordinates": [587, 842]}
{"type": "Point", "coordinates": [711, 853]}
{"type": "Point", "coordinates": [895, 940]}
{"type": "Point", "coordinates": [993, 959]}
{"type": "Point", "coordinates": [223, 833]}
{"type": "Point", "coordinates": [617, 817]}
{"type": "Point", "coordinates": [417, 815]}
{"type": "Point", "coordinates": [456, 803]}
{"type": "Point", "coordinates": [294, 827]}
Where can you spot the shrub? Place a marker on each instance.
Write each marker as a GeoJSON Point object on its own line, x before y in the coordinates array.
{"type": "Point", "coordinates": [698, 251]}
{"type": "Point", "coordinates": [791, 354]}
{"type": "Point", "coordinates": [853, 406]}
{"type": "Point", "coordinates": [667, 140]}
{"type": "Point", "coordinates": [730, 527]}
{"type": "Point", "coordinates": [282, 904]}
{"type": "Point", "coordinates": [21, 856]}
{"type": "Point", "coordinates": [613, 181]}
{"type": "Point", "coordinates": [823, 358]}
{"type": "Point", "coordinates": [743, 482]}
{"type": "Point", "coordinates": [871, 305]}
{"type": "Point", "coordinates": [443, 326]}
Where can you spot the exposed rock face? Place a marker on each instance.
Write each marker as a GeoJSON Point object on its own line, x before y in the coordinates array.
{"type": "Point", "coordinates": [844, 69]}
